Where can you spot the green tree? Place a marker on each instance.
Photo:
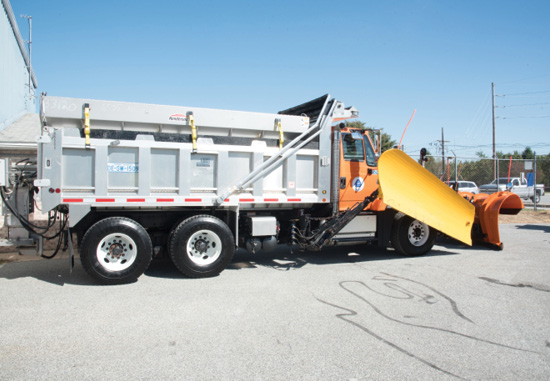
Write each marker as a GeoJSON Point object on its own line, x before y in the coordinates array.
{"type": "Point", "coordinates": [543, 170]}
{"type": "Point", "coordinates": [527, 153]}
{"type": "Point", "coordinates": [356, 124]}
{"type": "Point", "coordinates": [434, 166]}
{"type": "Point", "coordinates": [387, 142]}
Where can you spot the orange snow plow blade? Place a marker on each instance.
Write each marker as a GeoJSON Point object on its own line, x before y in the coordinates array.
{"type": "Point", "coordinates": [488, 207]}
{"type": "Point", "coordinates": [411, 189]}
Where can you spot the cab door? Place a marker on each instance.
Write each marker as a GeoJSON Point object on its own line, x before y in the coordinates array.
{"type": "Point", "coordinates": [358, 173]}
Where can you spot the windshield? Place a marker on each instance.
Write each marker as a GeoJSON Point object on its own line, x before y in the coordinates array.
{"type": "Point", "coordinates": [371, 159]}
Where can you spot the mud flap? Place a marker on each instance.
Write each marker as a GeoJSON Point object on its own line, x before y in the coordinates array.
{"type": "Point", "coordinates": [411, 189]}
{"type": "Point", "coordinates": [488, 207]}
{"type": "Point", "coordinates": [71, 249]}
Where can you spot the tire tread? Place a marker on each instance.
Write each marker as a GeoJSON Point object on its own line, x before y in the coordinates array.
{"type": "Point", "coordinates": [107, 226]}
{"type": "Point", "coordinates": [176, 252]}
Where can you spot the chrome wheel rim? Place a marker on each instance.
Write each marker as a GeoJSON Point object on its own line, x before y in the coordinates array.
{"type": "Point", "coordinates": [116, 252]}
{"type": "Point", "coordinates": [418, 233]}
{"type": "Point", "coordinates": [204, 247]}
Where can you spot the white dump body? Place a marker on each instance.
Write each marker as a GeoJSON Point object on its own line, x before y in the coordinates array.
{"type": "Point", "coordinates": [142, 156]}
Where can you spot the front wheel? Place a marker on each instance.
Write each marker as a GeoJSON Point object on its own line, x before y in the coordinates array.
{"type": "Point", "coordinates": [116, 250]}
{"type": "Point", "coordinates": [412, 237]}
{"type": "Point", "coordinates": [201, 246]}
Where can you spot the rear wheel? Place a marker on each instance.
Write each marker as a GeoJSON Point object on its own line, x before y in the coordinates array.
{"type": "Point", "coordinates": [412, 237]}
{"type": "Point", "coordinates": [201, 246]}
{"type": "Point", "coordinates": [116, 250]}
{"type": "Point", "coordinates": [537, 195]}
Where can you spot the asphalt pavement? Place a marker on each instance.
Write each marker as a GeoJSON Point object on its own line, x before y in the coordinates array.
{"type": "Point", "coordinates": [345, 313]}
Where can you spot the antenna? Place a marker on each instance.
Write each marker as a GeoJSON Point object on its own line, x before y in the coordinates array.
{"type": "Point", "coordinates": [402, 136]}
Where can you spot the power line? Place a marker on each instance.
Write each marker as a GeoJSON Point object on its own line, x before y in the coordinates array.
{"type": "Point", "coordinates": [525, 105]}
{"type": "Point", "coordinates": [500, 146]}
{"type": "Point", "coordinates": [529, 93]}
{"type": "Point", "coordinates": [478, 126]}
{"type": "Point", "coordinates": [523, 117]}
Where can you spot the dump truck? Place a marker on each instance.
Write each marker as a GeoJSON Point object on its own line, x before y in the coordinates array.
{"type": "Point", "coordinates": [130, 181]}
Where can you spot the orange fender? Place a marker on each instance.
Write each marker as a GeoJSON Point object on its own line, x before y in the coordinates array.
{"type": "Point", "coordinates": [488, 207]}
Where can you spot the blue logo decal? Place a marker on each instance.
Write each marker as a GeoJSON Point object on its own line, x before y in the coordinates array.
{"type": "Point", "coordinates": [358, 184]}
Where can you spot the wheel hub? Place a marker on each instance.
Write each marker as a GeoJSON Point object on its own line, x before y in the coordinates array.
{"type": "Point", "coordinates": [201, 245]}
{"type": "Point", "coordinates": [116, 250]}
{"type": "Point", "coordinates": [418, 233]}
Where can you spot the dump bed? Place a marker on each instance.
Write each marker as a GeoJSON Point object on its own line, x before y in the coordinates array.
{"type": "Point", "coordinates": [125, 116]}
{"type": "Point", "coordinates": [143, 156]}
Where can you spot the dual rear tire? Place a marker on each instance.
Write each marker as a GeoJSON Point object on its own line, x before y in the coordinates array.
{"type": "Point", "coordinates": [118, 250]}
{"type": "Point", "coordinates": [201, 246]}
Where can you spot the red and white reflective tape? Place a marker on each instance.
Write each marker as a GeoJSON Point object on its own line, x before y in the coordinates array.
{"type": "Point", "coordinates": [172, 200]}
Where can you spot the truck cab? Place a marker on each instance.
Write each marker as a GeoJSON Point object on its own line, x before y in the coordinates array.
{"type": "Point", "coordinates": [358, 167]}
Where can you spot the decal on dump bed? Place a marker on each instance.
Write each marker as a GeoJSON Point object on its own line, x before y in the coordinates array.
{"type": "Point", "coordinates": [178, 118]}
{"type": "Point", "coordinates": [123, 167]}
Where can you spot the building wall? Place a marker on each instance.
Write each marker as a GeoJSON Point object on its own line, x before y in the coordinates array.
{"type": "Point", "coordinates": [14, 76]}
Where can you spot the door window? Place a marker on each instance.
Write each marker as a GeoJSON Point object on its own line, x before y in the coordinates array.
{"type": "Point", "coordinates": [353, 149]}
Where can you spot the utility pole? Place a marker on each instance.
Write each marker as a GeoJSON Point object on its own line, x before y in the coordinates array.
{"type": "Point", "coordinates": [535, 179]}
{"type": "Point", "coordinates": [494, 133]}
{"type": "Point", "coordinates": [29, 42]}
{"type": "Point", "coordinates": [442, 141]}
{"type": "Point", "coordinates": [442, 151]}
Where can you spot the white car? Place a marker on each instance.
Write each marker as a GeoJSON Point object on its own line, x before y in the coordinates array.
{"type": "Point", "coordinates": [465, 186]}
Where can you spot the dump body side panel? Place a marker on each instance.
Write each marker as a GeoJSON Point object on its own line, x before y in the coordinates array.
{"type": "Point", "coordinates": [144, 157]}
{"type": "Point", "coordinates": [144, 173]}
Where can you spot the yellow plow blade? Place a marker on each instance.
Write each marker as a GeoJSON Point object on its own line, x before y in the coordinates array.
{"type": "Point", "coordinates": [411, 189]}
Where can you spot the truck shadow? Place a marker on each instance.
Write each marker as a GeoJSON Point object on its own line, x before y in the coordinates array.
{"type": "Point", "coordinates": [544, 228]}
{"type": "Point", "coordinates": [58, 272]}
{"type": "Point", "coordinates": [283, 259]}
{"type": "Point", "coordinates": [452, 244]}
{"type": "Point", "coordinates": [54, 271]}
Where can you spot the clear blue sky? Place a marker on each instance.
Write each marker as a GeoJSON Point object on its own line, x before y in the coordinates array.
{"type": "Point", "coordinates": [386, 58]}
